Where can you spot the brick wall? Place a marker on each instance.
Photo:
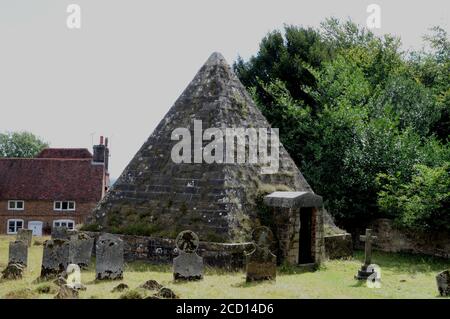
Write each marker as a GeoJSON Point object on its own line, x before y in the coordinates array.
{"type": "Point", "coordinates": [43, 211]}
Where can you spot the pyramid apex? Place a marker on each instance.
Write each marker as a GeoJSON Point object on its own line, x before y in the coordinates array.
{"type": "Point", "coordinates": [216, 58]}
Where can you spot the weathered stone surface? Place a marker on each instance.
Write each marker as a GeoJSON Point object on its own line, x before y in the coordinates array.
{"type": "Point", "coordinates": [338, 246]}
{"type": "Point", "coordinates": [62, 232]}
{"type": "Point", "coordinates": [120, 287]}
{"type": "Point", "coordinates": [18, 252]}
{"type": "Point", "coordinates": [293, 199]}
{"type": "Point", "coordinates": [25, 235]}
{"type": "Point", "coordinates": [261, 263]}
{"type": "Point", "coordinates": [151, 285]}
{"type": "Point", "coordinates": [13, 271]}
{"type": "Point", "coordinates": [365, 270]}
{"type": "Point", "coordinates": [80, 251]}
{"type": "Point", "coordinates": [443, 283]}
{"type": "Point", "coordinates": [166, 293]}
{"type": "Point", "coordinates": [217, 201]}
{"type": "Point", "coordinates": [188, 265]}
{"type": "Point", "coordinates": [55, 258]}
{"type": "Point", "coordinates": [109, 254]}
{"type": "Point", "coordinates": [395, 239]}
{"type": "Point", "coordinates": [66, 292]}
{"type": "Point", "coordinates": [73, 279]}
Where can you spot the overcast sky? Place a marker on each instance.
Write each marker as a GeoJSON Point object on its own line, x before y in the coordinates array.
{"type": "Point", "coordinates": [119, 74]}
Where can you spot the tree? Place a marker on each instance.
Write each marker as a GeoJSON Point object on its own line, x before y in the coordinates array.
{"type": "Point", "coordinates": [20, 144]}
{"type": "Point", "coordinates": [421, 203]}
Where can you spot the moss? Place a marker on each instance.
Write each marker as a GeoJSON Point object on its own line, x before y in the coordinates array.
{"type": "Point", "coordinates": [212, 237]}
{"type": "Point", "coordinates": [132, 294]}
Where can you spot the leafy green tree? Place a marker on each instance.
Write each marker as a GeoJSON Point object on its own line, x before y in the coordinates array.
{"type": "Point", "coordinates": [422, 203]}
{"type": "Point", "coordinates": [351, 106]}
{"type": "Point", "coordinates": [287, 58]}
{"type": "Point", "coordinates": [20, 144]}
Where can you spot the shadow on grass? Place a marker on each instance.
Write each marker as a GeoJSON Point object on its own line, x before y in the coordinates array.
{"type": "Point", "coordinates": [245, 284]}
{"type": "Point", "coordinates": [406, 263]}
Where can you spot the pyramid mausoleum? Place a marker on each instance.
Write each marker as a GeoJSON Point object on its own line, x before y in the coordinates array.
{"type": "Point", "coordinates": [220, 202]}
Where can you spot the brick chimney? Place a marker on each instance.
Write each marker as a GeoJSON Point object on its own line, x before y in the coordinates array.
{"type": "Point", "coordinates": [101, 152]}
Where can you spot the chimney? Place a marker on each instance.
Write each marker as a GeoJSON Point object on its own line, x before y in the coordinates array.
{"type": "Point", "coordinates": [101, 153]}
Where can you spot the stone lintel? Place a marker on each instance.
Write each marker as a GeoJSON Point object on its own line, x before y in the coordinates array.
{"type": "Point", "coordinates": [293, 199]}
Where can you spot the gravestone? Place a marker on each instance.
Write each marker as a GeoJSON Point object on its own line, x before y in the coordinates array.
{"type": "Point", "coordinates": [80, 250]}
{"type": "Point", "coordinates": [73, 280]}
{"type": "Point", "coordinates": [188, 265]}
{"type": "Point", "coordinates": [25, 235]}
{"type": "Point", "coordinates": [18, 252]}
{"type": "Point", "coordinates": [261, 263]}
{"type": "Point", "coordinates": [365, 270]}
{"type": "Point", "coordinates": [109, 257]}
{"type": "Point", "coordinates": [62, 232]}
{"type": "Point", "coordinates": [443, 283]}
{"type": "Point", "coordinates": [55, 258]}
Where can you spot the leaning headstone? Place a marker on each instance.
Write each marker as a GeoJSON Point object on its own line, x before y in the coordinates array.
{"type": "Point", "coordinates": [18, 252]}
{"type": "Point", "coordinates": [109, 257]}
{"type": "Point", "coordinates": [80, 250]}
{"type": "Point", "coordinates": [261, 263]}
{"type": "Point", "coordinates": [188, 265]}
{"type": "Point", "coordinates": [55, 258]}
{"type": "Point", "coordinates": [25, 235]}
{"type": "Point", "coordinates": [366, 271]}
{"type": "Point", "coordinates": [443, 283]}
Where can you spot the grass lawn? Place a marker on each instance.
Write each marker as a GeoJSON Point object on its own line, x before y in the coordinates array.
{"type": "Point", "coordinates": [403, 276]}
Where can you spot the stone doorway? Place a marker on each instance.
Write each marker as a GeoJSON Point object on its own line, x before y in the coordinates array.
{"type": "Point", "coordinates": [305, 255]}
{"type": "Point", "coordinates": [298, 223]}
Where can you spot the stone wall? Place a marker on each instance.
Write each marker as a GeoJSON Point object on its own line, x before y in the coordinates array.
{"type": "Point", "coordinates": [393, 239]}
{"type": "Point", "coordinates": [287, 223]}
{"type": "Point", "coordinates": [338, 246]}
{"type": "Point", "coordinates": [162, 251]}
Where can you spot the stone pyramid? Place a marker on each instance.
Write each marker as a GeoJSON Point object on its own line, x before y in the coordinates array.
{"type": "Point", "coordinates": [220, 202]}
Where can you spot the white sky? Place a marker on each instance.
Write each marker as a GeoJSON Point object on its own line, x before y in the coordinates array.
{"type": "Point", "coordinates": [119, 74]}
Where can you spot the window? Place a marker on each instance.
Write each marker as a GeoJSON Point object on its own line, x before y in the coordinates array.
{"type": "Point", "coordinates": [14, 225]}
{"type": "Point", "coordinates": [70, 224]}
{"type": "Point", "coordinates": [16, 205]}
{"type": "Point", "coordinates": [64, 205]}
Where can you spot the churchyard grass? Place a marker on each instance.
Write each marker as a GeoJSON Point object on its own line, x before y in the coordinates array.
{"type": "Point", "coordinates": [403, 276]}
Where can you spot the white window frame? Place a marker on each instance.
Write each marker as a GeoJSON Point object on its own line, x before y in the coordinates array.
{"type": "Point", "coordinates": [60, 202]}
{"type": "Point", "coordinates": [15, 225]}
{"type": "Point", "coordinates": [15, 201]}
{"type": "Point", "coordinates": [67, 221]}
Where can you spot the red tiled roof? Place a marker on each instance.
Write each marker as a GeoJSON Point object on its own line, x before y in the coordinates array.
{"type": "Point", "coordinates": [50, 179]}
{"type": "Point", "coordinates": [64, 153]}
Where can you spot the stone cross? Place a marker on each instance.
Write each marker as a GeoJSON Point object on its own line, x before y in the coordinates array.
{"type": "Point", "coordinates": [188, 265]}
{"type": "Point", "coordinates": [367, 239]}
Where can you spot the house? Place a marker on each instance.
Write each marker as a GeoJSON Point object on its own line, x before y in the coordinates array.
{"type": "Point", "coordinates": [59, 187]}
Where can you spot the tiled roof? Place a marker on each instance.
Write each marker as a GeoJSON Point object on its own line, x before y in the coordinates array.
{"type": "Point", "coordinates": [50, 179]}
{"type": "Point", "coordinates": [64, 153]}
